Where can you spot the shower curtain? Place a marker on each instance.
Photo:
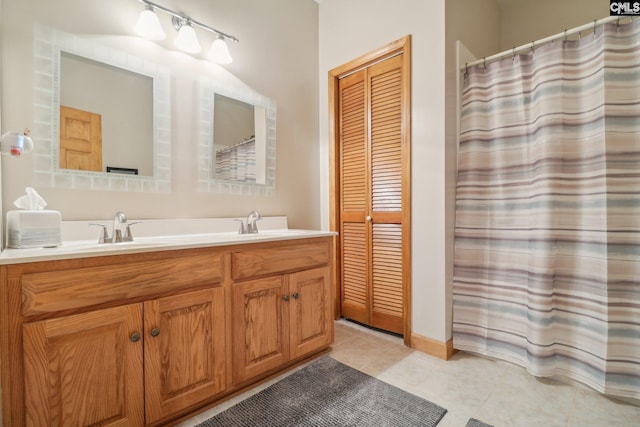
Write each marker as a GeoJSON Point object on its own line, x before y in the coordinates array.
{"type": "Point", "coordinates": [237, 163]}
{"type": "Point", "coordinates": [547, 239]}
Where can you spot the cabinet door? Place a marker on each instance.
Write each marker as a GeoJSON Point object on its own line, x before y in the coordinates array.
{"type": "Point", "coordinates": [85, 369]}
{"type": "Point", "coordinates": [259, 331]}
{"type": "Point", "coordinates": [184, 351]}
{"type": "Point", "coordinates": [311, 311]}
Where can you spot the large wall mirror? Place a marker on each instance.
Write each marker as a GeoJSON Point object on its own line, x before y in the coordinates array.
{"type": "Point", "coordinates": [105, 115]}
{"type": "Point", "coordinates": [237, 139]}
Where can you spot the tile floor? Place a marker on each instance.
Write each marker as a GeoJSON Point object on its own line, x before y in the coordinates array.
{"type": "Point", "coordinates": [468, 386]}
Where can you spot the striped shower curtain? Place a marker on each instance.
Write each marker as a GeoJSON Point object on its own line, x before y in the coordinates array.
{"type": "Point", "coordinates": [547, 239]}
{"type": "Point", "coordinates": [237, 163]}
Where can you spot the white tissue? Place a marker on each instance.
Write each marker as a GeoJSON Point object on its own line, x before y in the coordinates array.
{"type": "Point", "coordinates": [30, 201]}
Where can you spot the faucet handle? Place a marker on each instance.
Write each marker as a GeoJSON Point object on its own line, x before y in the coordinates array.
{"type": "Point", "coordinates": [252, 227]}
{"type": "Point", "coordinates": [128, 237]}
{"type": "Point", "coordinates": [104, 234]}
{"type": "Point", "coordinates": [243, 227]}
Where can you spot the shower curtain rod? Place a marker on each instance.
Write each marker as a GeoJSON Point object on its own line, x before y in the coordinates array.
{"type": "Point", "coordinates": [532, 45]}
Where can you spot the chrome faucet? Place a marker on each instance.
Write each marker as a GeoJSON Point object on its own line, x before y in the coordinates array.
{"type": "Point", "coordinates": [250, 226]}
{"type": "Point", "coordinates": [117, 235]}
{"type": "Point", "coordinates": [118, 220]}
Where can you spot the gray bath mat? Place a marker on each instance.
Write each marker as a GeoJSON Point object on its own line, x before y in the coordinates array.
{"type": "Point", "coordinates": [328, 393]}
{"type": "Point", "coordinates": [476, 423]}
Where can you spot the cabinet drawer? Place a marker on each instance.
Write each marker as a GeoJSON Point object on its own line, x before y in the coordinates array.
{"type": "Point", "coordinates": [53, 291]}
{"type": "Point", "coordinates": [279, 259]}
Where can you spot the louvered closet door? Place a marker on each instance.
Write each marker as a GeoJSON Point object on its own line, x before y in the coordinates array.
{"type": "Point", "coordinates": [385, 80]}
{"type": "Point", "coordinates": [371, 195]}
{"type": "Point", "coordinates": [354, 197]}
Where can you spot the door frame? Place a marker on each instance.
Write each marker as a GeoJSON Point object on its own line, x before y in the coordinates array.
{"type": "Point", "coordinates": [400, 46]}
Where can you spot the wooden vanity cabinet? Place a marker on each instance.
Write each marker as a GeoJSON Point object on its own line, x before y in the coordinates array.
{"type": "Point", "coordinates": [184, 351]}
{"type": "Point", "coordinates": [85, 369]}
{"type": "Point", "coordinates": [280, 317]}
{"type": "Point", "coordinates": [143, 339]}
{"type": "Point", "coordinates": [259, 327]}
{"type": "Point", "coordinates": [310, 311]}
{"type": "Point", "coordinates": [89, 368]}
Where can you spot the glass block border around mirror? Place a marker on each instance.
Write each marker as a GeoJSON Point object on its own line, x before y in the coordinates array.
{"type": "Point", "coordinates": [255, 174]}
{"type": "Point", "coordinates": [49, 46]}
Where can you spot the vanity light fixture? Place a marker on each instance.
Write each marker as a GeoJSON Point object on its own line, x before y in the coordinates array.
{"type": "Point", "coordinates": [187, 41]}
{"type": "Point", "coordinates": [148, 26]}
{"type": "Point", "coordinates": [219, 52]}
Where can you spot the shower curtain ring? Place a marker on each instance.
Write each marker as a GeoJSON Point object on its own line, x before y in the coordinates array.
{"type": "Point", "coordinates": [466, 69]}
{"type": "Point", "coordinates": [594, 26]}
{"type": "Point", "coordinates": [484, 62]}
{"type": "Point", "coordinates": [533, 48]}
{"type": "Point", "coordinates": [565, 34]}
{"type": "Point", "coordinates": [513, 52]}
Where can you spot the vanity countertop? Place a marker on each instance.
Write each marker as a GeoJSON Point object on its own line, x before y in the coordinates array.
{"type": "Point", "coordinates": [84, 248]}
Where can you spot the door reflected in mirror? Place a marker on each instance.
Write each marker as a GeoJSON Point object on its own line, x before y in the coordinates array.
{"type": "Point", "coordinates": [105, 96]}
{"type": "Point", "coordinates": [239, 141]}
{"type": "Point", "coordinates": [106, 117]}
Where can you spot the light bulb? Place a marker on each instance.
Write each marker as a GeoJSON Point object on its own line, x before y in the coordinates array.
{"type": "Point", "coordinates": [187, 41]}
{"type": "Point", "coordinates": [148, 25]}
{"type": "Point", "coordinates": [219, 52]}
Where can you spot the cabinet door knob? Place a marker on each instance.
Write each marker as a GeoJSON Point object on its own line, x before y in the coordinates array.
{"type": "Point", "coordinates": [155, 332]}
{"type": "Point", "coordinates": [368, 218]}
{"type": "Point", "coordinates": [135, 337]}
{"type": "Point", "coordinates": [296, 295]}
{"type": "Point", "coordinates": [286, 297]}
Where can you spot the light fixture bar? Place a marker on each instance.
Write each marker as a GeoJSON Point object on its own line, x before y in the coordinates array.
{"type": "Point", "coordinates": [189, 19]}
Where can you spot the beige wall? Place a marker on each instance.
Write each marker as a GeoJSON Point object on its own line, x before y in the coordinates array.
{"type": "Point", "coordinates": [476, 23]}
{"type": "Point", "coordinates": [352, 28]}
{"type": "Point", "coordinates": [526, 21]}
{"type": "Point", "coordinates": [277, 56]}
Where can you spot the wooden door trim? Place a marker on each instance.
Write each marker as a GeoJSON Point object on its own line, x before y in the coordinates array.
{"type": "Point", "coordinates": [400, 46]}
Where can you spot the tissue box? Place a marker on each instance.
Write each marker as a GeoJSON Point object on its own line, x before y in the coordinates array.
{"type": "Point", "coordinates": [33, 229]}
